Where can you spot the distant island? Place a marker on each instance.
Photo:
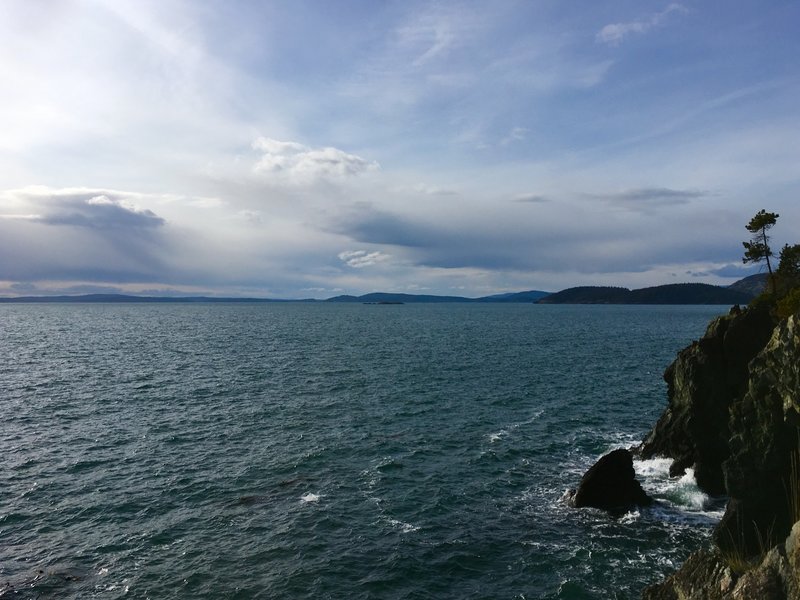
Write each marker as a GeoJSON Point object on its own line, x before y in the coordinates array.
{"type": "Point", "coordinates": [391, 298]}
{"type": "Point", "coordinates": [741, 292]}
{"type": "Point", "coordinates": [677, 293]}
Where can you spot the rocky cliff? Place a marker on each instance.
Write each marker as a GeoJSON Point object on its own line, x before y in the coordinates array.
{"type": "Point", "coordinates": [733, 414]}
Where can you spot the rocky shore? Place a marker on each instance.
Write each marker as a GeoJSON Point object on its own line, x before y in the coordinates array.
{"type": "Point", "coordinates": [734, 416]}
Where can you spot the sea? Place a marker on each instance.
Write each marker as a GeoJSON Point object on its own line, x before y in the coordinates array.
{"type": "Point", "coordinates": [342, 451]}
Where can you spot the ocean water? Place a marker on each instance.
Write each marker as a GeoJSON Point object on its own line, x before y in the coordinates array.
{"type": "Point", "coordinates": [333, 451]}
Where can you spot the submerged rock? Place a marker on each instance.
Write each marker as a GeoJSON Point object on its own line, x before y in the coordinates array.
{"type": "Point", "coordinates": [610, 484]}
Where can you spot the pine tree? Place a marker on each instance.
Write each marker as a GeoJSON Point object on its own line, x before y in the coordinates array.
{"type": "Point", "coordinates": [757, 249]}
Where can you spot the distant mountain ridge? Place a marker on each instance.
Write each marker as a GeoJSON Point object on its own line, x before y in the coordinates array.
{"type": "Point", "coordinates": [675, 293]}
{"type": "Point", "coordinates": [376, 297]}
{"type": "Point", "coordinates": [741, 292]}
{"type": "Point", "coordinates": [753, 285]}
{"type": "Point", "coordinates": [128, 299]}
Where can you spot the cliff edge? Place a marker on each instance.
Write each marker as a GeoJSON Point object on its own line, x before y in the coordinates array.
{"type": "Point", "coordinates": [734, 416]}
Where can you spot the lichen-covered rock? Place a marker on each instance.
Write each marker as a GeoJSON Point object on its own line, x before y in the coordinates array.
{"type": "Point", "coordinates": [703, 382]}
{"type": "Point", "coordinates": [704, 576]}
{"type": "Point", "coordinates": [792, 568]}
{"type": "Point", "coordinates": [765, 581]}
{"type": "Point", "coordinates": [610, 484]}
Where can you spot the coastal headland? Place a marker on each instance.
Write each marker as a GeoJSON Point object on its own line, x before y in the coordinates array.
{"type": "Point", "coordinates": [734, 415]}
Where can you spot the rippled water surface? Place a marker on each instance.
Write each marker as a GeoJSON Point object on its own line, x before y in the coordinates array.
{"type": "Point", "coordinates": [332, 451]}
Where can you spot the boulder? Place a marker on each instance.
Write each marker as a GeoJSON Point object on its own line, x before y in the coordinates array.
{"type": "Point", "coordinates": [610, 484]}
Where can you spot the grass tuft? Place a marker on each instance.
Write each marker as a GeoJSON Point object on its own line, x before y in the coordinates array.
{"type": "Point", "coordinates": [793, 485]}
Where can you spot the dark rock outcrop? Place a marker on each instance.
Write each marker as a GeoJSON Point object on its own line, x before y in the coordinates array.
{"type": "Point", "coordinates": [703, 382]}
{"type": "Point", "coordinates": [762, 473]}
{"type": "Point", "coordinates": [734, 413]}
{"type": "Point", "coordinates": [610, 484]}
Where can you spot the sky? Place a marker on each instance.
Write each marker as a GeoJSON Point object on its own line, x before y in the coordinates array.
{"type": "Point", "coordinates": [307, 149]}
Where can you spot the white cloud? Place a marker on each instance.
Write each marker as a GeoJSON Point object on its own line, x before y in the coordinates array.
{"type": "Point", "coordinates": [361, 258]}
{"type": "Point", "coordinates": [614, 33]}
{"type": "Point", "coordinates": [299, 162]}
{"type": "Point", "coordinates": [430, 36]}
{"type": "Point", "coordinates": [517, 134]}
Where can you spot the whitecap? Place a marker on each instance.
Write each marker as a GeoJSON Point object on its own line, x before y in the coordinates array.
{"type": "Point", "coordinates": [496, 437]}
{"type": "Point", "coordinates": [630, 517]}
{"type": "Point", "coordinates": [404, 527]}
{"type": "Point", "coordinates": [309, 497]}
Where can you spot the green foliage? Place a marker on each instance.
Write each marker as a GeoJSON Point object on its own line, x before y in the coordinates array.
{"type": "Point", "coordinates": [789, 304]}
{"type": "Point", "coordinates": [737, 562]}
{"type": "Point", "coordinates": [735, 556]}
{"type": "Point", "coordinates": [755, 251]}
{"type": "Point", "coordinates": [789, 265]}
{"type": "Point", "coordinates": [762, 221]}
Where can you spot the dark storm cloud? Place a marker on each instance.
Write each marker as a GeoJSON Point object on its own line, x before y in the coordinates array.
{"type": "Point", "coordinates": [367, 224]}
{"type": "Point", "coordinates": [81, 235]}
{"type": "Point", "coordinates": [484, 242]}
{"type": "Point", "coordinates": [99, 212]}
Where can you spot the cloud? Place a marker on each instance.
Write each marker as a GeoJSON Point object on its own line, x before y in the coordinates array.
{"type": "Point", "coordinates": [80, 234]}
{"type": "Point", "coordinates": [517, 134]}
{"type": "Point", "coordinates": [561, 237]}
{"type": "Point", "coordinates": [530, 199]}
{"type": "Point", "coordinates": [250, 216]}
{"type": "Point", "coordinates": [103, 213]}
{"type": "Point", "coordinates": [302, 163]}
{"type": "Point", "coordinates": [359, 259]}
{"type": "Point", "coordinates": [429, 37]}
{"type": "Point", "coordinates": [614, 33]}
{"type": "Point", "coordinates": [102, 210]}
{"type": "Point", "coordinates": [734, 271]}
{"type": "Point", "coordinates": [366, 224]}
{"type": "Point", "coordinates": [649, 198]}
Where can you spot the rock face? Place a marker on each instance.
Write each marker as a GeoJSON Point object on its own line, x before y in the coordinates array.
{"type": "Point", "coordinates": [734, 413]}
{"type": "Point", "coordinates": [706, 575]}
{"type": "Point", "coordinates": [764, 444]}
{"type": "Point", "coordinates": [610, 484]}
{"type": "Point", "coordinates": [703, 382]}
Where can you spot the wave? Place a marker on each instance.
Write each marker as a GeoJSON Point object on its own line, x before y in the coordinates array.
{"type": "Point", "coordinates": [680, 494]}
{"type": "Point", "coordinates": [506, 431]}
